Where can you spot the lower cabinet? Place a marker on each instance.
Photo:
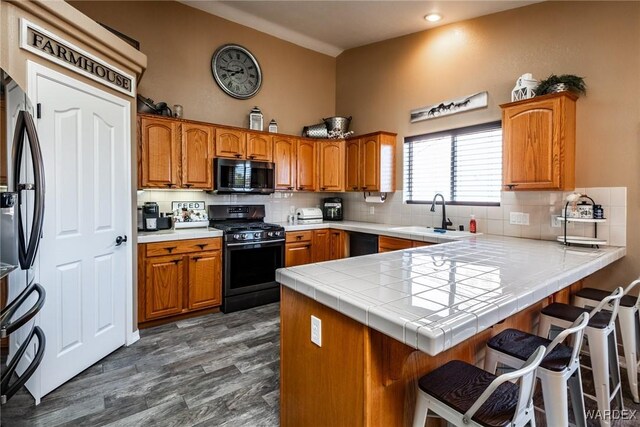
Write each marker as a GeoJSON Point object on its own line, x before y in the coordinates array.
{"type": "Point", "coordinates": [305, 247]}
{"type": "Point", "coordinates": [388, 244]}
{"type": "Point", "coordinates": [187, 281]}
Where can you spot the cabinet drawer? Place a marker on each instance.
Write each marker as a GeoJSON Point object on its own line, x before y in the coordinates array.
{"type": "Point", "coordinates": [299, 236]}
{"type": "Point", "coordinates": [388, 244]}
{"type": "Point", "coordinates": [173, 247]}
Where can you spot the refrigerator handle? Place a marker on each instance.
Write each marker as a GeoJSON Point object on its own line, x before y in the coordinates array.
{"type": "Point", "coordinates": [6, 390]}
{"type": "Point", "coordinates": [27, 249]}
{"type": "Point", "coordinates": [7, 327]}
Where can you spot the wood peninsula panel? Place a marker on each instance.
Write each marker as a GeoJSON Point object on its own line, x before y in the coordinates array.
{"type": "Point", "coordinates": [361, 377]}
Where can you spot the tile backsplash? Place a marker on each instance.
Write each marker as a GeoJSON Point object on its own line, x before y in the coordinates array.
{"type": "Point", "coordinates": [540, 205]}
{"type": "Point", "coordinates": [277, 205]}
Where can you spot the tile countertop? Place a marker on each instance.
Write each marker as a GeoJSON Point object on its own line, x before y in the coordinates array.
{"type": "Point", "coordinates": [434, 297]}
{"type": "Point", "coordinates": [181, 234]}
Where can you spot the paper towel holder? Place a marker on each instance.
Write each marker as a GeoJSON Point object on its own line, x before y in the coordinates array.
{"type": "Point", "coordinates": [383, 196]}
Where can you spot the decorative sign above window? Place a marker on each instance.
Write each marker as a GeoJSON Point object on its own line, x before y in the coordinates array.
{"type": "Point", "coordinates": [47, 45]}
{"type": "Point", "coordinates": [445, 108]}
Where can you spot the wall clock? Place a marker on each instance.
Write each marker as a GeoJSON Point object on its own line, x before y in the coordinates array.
{"type": "Point", "coordinates": [236, 71]}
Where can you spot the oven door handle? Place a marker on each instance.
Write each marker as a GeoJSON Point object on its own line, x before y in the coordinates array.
{"type": "Point", "coordinates": [263, 243]}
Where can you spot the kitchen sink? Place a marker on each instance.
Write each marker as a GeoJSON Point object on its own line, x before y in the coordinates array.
{"type": "Point", "coordinates": [430, 231]}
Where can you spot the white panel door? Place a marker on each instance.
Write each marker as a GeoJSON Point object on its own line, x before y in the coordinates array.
{"type": "Point", "coordinates": [84, 135]}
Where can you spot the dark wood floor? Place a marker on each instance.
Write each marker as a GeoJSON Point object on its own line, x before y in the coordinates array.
{"type": "Point", "coordinates": [215, 370]}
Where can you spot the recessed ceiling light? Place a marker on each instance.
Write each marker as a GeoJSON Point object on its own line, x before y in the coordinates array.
{"type": "Point", "coordinates": [433, 17]}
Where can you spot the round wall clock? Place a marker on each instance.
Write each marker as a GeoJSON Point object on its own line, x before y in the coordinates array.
{"type": "Point", "coordinates": [236, 71]}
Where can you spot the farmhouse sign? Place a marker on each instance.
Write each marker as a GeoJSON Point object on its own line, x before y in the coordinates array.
{"type": "Point", "coordinates": [47, 45]}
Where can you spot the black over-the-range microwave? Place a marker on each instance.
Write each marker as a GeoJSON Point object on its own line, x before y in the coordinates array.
{"type": "Point", "coordinates": [243, 176]}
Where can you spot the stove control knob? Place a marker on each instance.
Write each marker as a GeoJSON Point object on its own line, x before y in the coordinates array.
{"type": "Point", "coordinates": [270, 234]}
{"type": "Point", "coordinates": [237, 236]}
{"type": "Point", "coordinates": [257, 235]}
{"type": "Point", "coordinates": [278, 233]}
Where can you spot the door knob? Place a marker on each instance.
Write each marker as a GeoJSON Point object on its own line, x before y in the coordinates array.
{"type": "Point", "coordinates": [120, 240]}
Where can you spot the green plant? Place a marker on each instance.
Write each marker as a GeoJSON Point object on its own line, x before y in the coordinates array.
{"type": "Point", "coordinates": [573, 83]}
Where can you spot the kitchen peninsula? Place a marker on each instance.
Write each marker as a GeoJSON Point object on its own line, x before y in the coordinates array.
{"type": "Point", "coordinates": [386, 319]}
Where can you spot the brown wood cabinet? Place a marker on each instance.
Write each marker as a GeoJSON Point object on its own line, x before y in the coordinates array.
{"type": "Point", "coordinates": [388, 244]}
{"type": "Point", "coordinates": [158, 152]}
{"type": "Point", "coordinates": [298, 253]}
{"type": "Point", "coordinates": [259, 147]}
{"type": "Point", "coordinates": [331, 165]}
{"type": "Point", "coordinates": [230, 143]}
{"type": "Point", "coordinates": [306, 165]}
{"type": "Point", "coordinates": [178, 277]}
{"type": "Point", "coordinates": [304, 247]}
{"type": "Point", "coordinates": [337, 244]}
{"type": "Point", "coordinates": [197, 156]}
{"type": "Point", "coordinates": [370, 163]}
{"type": "Point", "coordinates": [285, 158]}
{"type": "Point", "coordinates": [321, 245]}
{"type": "Point", "coordinates": [539, 143]}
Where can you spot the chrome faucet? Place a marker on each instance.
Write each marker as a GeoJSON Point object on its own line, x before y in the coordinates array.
{"type": "Point", "coordinates": [445, 221]}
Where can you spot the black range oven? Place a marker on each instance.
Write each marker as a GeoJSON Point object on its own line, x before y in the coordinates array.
{"type": "Point", "coordinates": [252, 252]}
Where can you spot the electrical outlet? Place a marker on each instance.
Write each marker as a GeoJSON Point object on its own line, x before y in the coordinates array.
{"type": "Point", "coordinates": [372, 210]}
{"type": "Point", "coordinates": [515, 218]}
{"type": "Point", "coordinates": [555, 222]}
{"type": "Point", "coordinates": [525, 219]}
{"type": "Point", "coordinates": [316, 331]}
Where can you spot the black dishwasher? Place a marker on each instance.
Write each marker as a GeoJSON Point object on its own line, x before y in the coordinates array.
{"type": "Point", "coordinates": [362, 244]}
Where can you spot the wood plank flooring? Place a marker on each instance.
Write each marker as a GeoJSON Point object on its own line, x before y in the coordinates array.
{"type": "Point", "coordinates": [214, 370]}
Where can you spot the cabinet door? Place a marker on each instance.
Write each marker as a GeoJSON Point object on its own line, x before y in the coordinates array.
{"type": "Point", "coordinates": [230, 143]}
{"type": "Point", "coordinates": [259, 147]}
{"type": "Point", "coordinates": [321, 248]}
{"type": "Point", "coordinates": [297, 254]}
{"type": "Point", "coordinates": [284, 156]}
{"type": "Point", "coordinates": [337, 244]}
{"type": "Point", "coordinates": [163, 286]}
{"type": "Point", "coordinates": [331, 166]}
{"type": "Point", "coordinates": [205, 280]}
{"type": "Point", "coordinates": [306, 166]}
{"type": "Point", "coordinates": [370, 164]}
{"type": "Point", "coordinates": [531, 152]}
{"type": "Point", "coordinates": [159, 145]}
{"type": "Point", "coordinates": [197, 156]}
{"type": "Point", "coordinates": [352, 171]}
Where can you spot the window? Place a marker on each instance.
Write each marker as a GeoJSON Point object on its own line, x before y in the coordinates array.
{"type": "Point", "coordinates": [464, 164]}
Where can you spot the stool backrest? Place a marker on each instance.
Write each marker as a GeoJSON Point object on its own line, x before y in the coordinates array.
{"type": "Point", "coordinates": [525, 376]}
{"type": "Point", "coordinates": [630, 287]}
{"type": "Point", "coordinates": [577, 330]}
{"type": "Point", "coordinates": [614, 298]}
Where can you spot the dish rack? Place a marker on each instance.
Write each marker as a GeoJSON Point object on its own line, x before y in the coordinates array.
{"type": "Point", "coordinates": [580, 240]}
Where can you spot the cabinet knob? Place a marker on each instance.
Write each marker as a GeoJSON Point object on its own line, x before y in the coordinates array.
{"type": "Point", "coordinates": [169, 185]}
{"type": "Point", "coordinates": [196, 259]}
{"type": "Point", "coordinates": [354, 188]}
{"type": "Point", "coordinates": [188, 185]}
{"type": "Point", "coordinates": [511, 186]}
{"type": "Point", "coordinates": [238, 155]}
{"type": "Point", "coordinates": [176, 261]}
{"type": "Point", "coordinates": [301, 188]}
{"type": "Point", "coordinates": [364, 188]}
{"type": "Point", "coordinates": [289, 188]}
{"type": "Point", "coordinates": [252, 157]}
{"type": "Point", "coordinates": [171, 248]}
{"type": "Point", "coordinates": [323, 188]}
{"type": "Point", "coordinates": [202, 246]}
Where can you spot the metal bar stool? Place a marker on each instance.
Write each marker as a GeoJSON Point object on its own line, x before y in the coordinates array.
{"type": "Point", "coordinates": [629, 323]}
{"type": "Point", "coordinates": [601, 337]}
{"type": "Point", "coordinates": [463, 394]}
{"type": "Point", "coordinates": [559, 368]}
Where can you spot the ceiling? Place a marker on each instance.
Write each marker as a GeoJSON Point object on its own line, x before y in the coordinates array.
{"type": "Point", "coordinates": [330, 27]}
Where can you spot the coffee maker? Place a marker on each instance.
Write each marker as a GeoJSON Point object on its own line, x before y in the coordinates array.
{"type": "Point", "coordinates": [332, 209]}
{"type": "Point", "coordinates": [150, 215]}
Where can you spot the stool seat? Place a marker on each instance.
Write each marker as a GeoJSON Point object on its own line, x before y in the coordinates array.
{"type": "Point", "coordinates": [458, 384]}
{"type": "Point", "coordinates": [521, 345]}
{"type": "Point", "coordinates": [570, 313]}
{"type": "Point", "coordinates": [599, 294]}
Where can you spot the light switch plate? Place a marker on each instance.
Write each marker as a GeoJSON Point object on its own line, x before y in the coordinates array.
{"type": "Point", "coordinates": [555, 222]}
{"type": "Point", "coordinates": [525, 219]}
{"type": "Point", "coordinates": [515, 218]}
{"type": "Point", "coordinates": [316, 331]}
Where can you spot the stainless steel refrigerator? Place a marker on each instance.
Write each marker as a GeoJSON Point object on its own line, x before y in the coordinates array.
{"type": "Point", "coordinates": [21, 217]}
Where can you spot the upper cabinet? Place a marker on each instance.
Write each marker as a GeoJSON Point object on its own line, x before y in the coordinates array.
{"type": "Point", "coordinates": [230, 143]}
{"type": "Point", "coordinates": [370, 163]}
{"type": "Point", "coordinates": [285, 157]}
{"type": "Point", "coordinates": [197, 156]}
{"type": "Point", "coordinates": [306, 165]}
{"type": "Point", "coordinates": [238, 144]}
{"type": "Point", "coordinates": [331, 165]}
{"type": "Point", "coordinates": [158, 152]}
{"type": "Point", "coordinates": [539, 143]}
{"type": "Point", "coordinates": [174, 154]}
